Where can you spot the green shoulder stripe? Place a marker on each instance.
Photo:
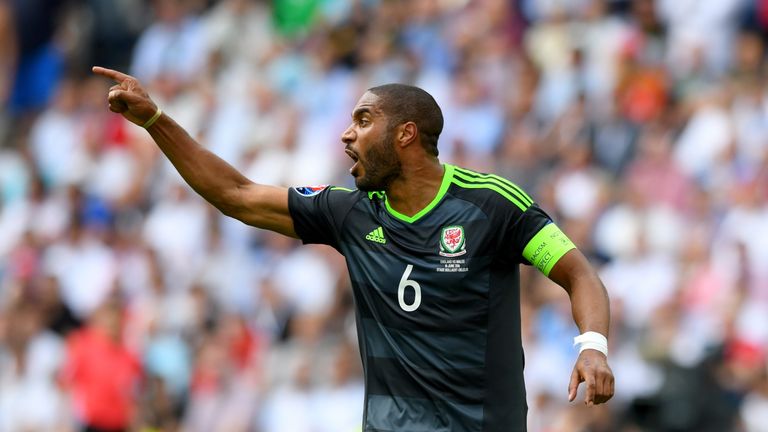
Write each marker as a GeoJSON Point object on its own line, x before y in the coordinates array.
{"type": "Point", "coordinates": [522, 197]}
{"type": "Point", "coordinates": [492, 186]}
{"type": "Point", "coordinates": [341, 189]}
{"type": "Point", "coordinates": [513, 196]}
{"type": "Point", "coordinates": [513, 187]}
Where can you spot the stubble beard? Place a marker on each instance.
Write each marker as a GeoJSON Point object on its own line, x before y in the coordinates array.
{"type": "Point", "coordinates": [382, 167]}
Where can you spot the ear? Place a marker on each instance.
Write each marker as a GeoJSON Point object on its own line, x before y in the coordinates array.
{"type": "Point", "coordinates": [407, 134]}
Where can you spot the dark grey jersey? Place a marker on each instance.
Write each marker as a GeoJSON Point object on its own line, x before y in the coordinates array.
{"type": "Point", "coordinates": [437, 296]}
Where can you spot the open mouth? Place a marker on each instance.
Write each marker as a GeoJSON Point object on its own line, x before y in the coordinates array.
{"type": "Point", "coordinates": [351, 154]}
{"type": "Point", "coordinates": [354, 158]}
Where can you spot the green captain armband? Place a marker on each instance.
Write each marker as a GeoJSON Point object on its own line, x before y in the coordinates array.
{"type": "Point", "coordinates": [547, 247]}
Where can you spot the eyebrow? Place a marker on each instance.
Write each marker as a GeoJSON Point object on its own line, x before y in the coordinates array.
{"type": "Point", "coordinates": [360, 111]}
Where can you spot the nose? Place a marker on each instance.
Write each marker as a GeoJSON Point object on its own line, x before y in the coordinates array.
{"type": "Point", "coordinates": [348, 137]}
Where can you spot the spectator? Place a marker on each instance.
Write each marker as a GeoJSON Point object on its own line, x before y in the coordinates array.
{"type": "Point", "coordinates": [30, 396]}
{"type": "Point", "coordinates": [173, 47]}
{"type": "Point", "coordinates": [102, 376]}
{"type": "Point", "coordinates": [640, 125]}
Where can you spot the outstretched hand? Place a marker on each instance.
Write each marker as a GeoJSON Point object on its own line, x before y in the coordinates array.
{"type": "Point", "coordinates": [592, 368]}
{"type": "Point", "coordinates": [128, 97]}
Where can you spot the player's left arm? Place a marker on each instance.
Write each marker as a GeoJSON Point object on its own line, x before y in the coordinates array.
{"type": "Point", "coordinates": [591, 311]}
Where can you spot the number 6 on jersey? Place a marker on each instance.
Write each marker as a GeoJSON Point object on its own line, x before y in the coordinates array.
{"type": "Point", "coordinates": [405, 282]}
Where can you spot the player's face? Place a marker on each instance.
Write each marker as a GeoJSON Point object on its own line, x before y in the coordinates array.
{"type": "Point", "coordinates": [370, 142]}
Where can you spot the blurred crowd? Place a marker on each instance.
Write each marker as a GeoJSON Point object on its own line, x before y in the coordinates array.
{"type": "Point", "coordinates": [128, 303]}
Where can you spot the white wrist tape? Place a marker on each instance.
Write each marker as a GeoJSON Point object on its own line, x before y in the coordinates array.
{"type": "Point", "coordinates": [591, 340]}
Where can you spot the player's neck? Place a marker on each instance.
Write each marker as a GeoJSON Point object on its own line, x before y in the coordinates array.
{"type": "Point", "coordinates": [415, 188]}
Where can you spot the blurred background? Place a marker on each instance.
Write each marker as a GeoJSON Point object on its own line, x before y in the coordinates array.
{"type": "Point", "coordinates": [128, 303]}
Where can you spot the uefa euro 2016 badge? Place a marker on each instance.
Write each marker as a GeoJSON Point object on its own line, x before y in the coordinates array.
{"type": "Point", "coordinates": [309, 191]}
{"type": "Point", "coordinates": [452, 241]}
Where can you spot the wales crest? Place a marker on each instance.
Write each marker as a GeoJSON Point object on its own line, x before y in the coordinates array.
{"type": "Point", "coordinates": [453, 241]}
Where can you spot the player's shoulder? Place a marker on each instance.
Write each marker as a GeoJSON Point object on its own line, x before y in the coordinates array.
{"type": "Point", "coordinates": [489, 190]}
{"type": "Point", "coordinates": [326, 196]}
{"type": "Point", "coordinates": [335, 191]}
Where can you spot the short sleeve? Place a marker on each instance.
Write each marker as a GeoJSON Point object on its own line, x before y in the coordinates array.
{"type": "Point", "coordinates": [318, 213]}
{"type": "Point", "coordinates": [520, 229]}
{"type": "Point", "coordinates": [534, 239]}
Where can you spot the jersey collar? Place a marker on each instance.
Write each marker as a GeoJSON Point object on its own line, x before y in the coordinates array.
{"type": "Point", "coordinates": [447, 177]}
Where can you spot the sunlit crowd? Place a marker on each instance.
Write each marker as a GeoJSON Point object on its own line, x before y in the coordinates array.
{"type": "Point", "coordinates": [129, 303]}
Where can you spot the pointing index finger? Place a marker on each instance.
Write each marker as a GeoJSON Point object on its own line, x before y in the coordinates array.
{"type": "Point", "coordinates": [109, 73]}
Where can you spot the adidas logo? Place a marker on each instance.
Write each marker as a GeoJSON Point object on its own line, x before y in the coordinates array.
{"type": "Point", "coordinates": [377, 236]}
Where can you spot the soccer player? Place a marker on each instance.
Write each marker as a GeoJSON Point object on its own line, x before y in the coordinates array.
{"type": "Point", "coordinates": [433, 252]}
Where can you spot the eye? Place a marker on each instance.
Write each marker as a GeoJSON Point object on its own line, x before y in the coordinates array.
{"type": "Point", "coordinates": [363, 122]}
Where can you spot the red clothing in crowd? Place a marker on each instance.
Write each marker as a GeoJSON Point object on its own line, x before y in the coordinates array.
{"type": "Point", "coordinates": [102, 376]}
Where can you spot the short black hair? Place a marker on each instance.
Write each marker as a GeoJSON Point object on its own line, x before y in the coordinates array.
{"type": "Point", "coordinates": [403, 103]}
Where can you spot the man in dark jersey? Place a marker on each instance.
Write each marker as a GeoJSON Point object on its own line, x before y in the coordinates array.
{"type": "Point", "coordinates": [433, 253]}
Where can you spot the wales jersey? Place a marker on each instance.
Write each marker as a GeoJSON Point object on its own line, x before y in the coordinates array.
{"type": "Point", "coordinates": [437, 297]}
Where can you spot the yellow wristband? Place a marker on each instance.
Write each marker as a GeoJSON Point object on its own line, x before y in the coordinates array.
{"type": "Point", "coordinates": [154, 118]}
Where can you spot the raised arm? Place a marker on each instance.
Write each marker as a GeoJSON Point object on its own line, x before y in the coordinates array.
{"type": "Point", "coordinates": [214, 179]}
{"type": "Point", "coordinates": [589, 304]}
